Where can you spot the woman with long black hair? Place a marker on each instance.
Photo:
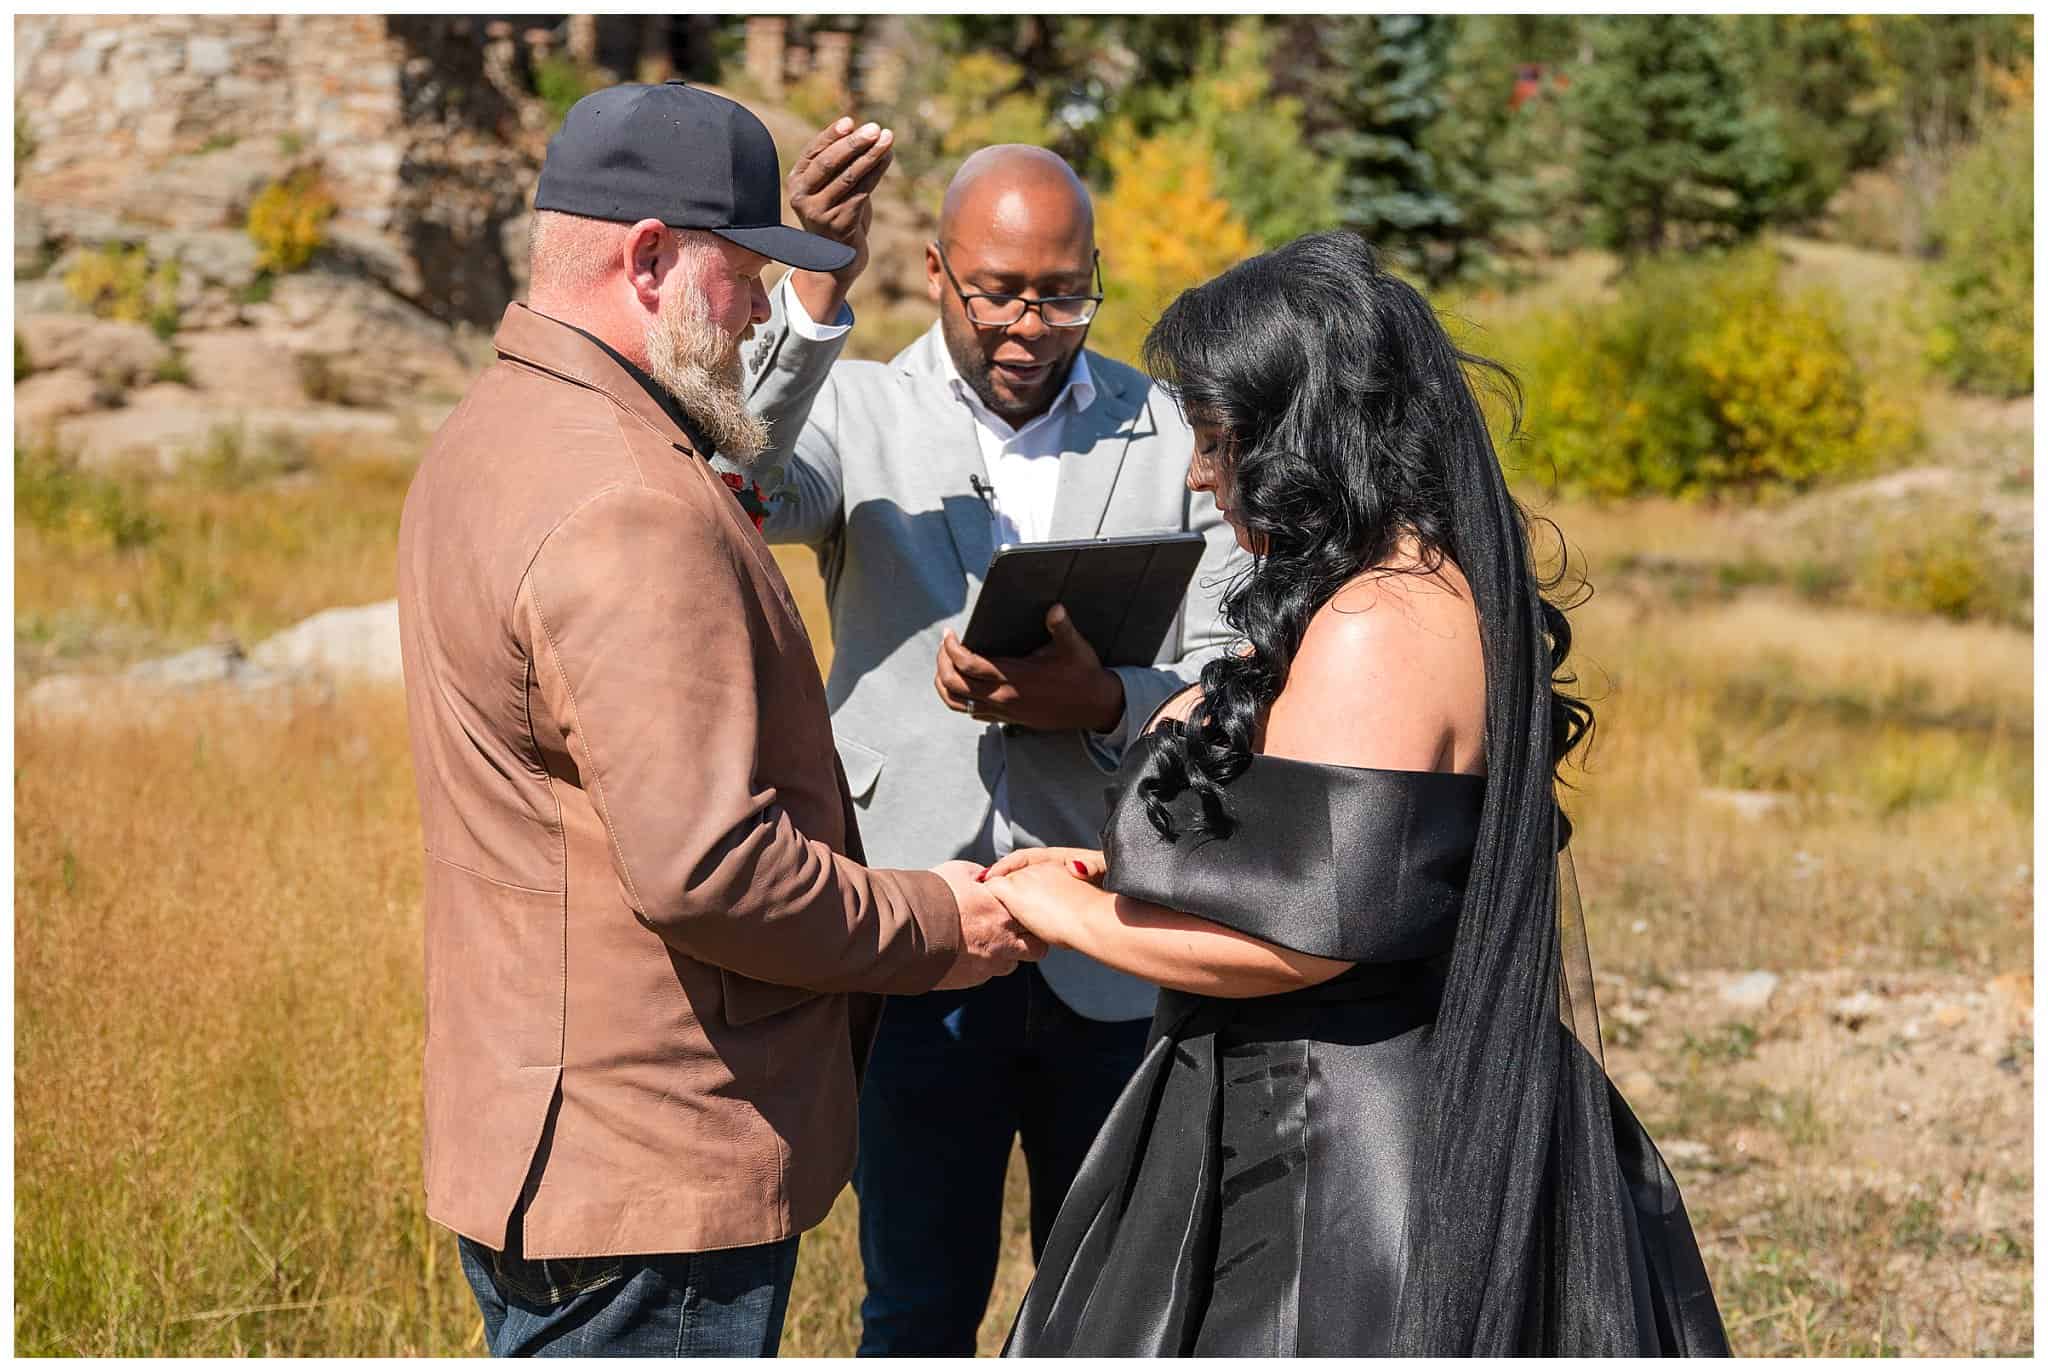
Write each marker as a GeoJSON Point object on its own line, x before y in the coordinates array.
{"type": "Point", "coordinates": [1373, 1118]}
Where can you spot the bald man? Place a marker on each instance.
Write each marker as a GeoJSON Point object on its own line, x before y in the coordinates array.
{"type": "Point", "coordinates": [997, 426]}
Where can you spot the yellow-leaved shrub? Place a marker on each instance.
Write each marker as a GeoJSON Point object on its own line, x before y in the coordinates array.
{"type": "Point", "coordinates": [1703, 378]}
{"type": "Point", "coordinates": [118, 282]}
{"type": "Point", "coordinates": [288, 221]}
{"type": "Point", "coordinates": [1165, 226]}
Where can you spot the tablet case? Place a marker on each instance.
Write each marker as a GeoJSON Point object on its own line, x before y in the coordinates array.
{"type": "Point", "coordinates": [1122, 593]}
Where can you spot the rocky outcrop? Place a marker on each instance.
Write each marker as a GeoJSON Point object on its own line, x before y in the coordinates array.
{"type": "Point", "coordinates": [356, 643]}
{"type": "Point", "coordinates": [114, 353]}
{"type": "Point", "coordinates": [305, 661]}
{"type": "Point", "coordinates": [150, 123]}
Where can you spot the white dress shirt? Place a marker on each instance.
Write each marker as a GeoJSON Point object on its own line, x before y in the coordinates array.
{"type": "Point", "coordinates": [1023, 471]}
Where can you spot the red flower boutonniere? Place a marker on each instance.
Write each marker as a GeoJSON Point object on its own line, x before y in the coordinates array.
{"type": "Point", "coordinates": [759, 490]}
{"type": "Point", "coordinates": [752, 498]}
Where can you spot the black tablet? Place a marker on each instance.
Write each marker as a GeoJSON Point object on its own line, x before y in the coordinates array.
{"type": "Point", "coordinates": [1122, 593]}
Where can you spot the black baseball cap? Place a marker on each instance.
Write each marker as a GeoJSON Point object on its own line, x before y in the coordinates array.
{"type": "Point", "coordinates": [689, 158]}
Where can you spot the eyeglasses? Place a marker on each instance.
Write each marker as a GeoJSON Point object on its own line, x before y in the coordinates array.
{"type": "Point", "coordinates": [989, 311]}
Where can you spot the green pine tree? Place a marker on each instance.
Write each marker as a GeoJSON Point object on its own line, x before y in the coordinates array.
{"type": "Point", "coordinates": [1498, 157]}
{"type": "Point", "coordinates": [1371, 86]}
{"type": "Point", "coordinates": [1670, 152]}
{"type": "Point", "coordinates": [1819, 74]}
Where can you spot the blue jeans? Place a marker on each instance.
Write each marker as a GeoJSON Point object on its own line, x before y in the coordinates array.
{"type": "Point", "coordinates": [954, 1078]}
{"type": "Point", "coordinates": [723, 1304]}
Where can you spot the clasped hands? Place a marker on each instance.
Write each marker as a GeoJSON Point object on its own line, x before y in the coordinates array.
{"type": "Point", "coordinates": [1061, 686]}
{"type": "Point", "coordinates": [1012, 912]}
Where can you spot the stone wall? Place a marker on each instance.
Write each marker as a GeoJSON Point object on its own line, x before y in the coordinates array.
{"type": "Point", "coordinates": [155, 122]}
{"type": "Point", "coordinates": [105, 95]}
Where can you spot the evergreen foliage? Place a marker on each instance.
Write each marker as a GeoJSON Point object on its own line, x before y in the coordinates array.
{"type": "Point", "coordinates": [1371, 87]}
{"type": "Point", "coordinates": [1984, 283]}
{"type": "Point", "coordinates": [1820, 76]}
{"type": "Point", "coordinates": [1669, 151]}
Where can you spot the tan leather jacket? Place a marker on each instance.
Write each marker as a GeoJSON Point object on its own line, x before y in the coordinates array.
{"type": "Point", "coordinates": [647, 924]}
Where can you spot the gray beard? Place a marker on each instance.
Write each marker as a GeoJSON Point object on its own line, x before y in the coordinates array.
{"type": "Point", "coordinates": [699, 364]}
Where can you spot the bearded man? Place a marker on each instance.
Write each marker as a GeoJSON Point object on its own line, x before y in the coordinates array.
{"type": "Point", "coordinates": [652, 947]}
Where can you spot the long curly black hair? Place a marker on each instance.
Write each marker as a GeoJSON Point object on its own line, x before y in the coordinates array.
{"type": "Point", "coordinates": [1349, 416]}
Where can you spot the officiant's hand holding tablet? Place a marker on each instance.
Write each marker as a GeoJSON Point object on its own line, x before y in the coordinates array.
{"type": "Point", "coordinates": [1052, 618]}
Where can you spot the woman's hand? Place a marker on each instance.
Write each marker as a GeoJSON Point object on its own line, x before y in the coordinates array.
{"type": "Point", "coordinates": [1085, 863]}
{"type": "Point", "coordinates": [1049, 898]}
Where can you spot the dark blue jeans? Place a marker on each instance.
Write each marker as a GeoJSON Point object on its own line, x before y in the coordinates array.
{"type": "Point", "coordinates": [955, 1077]}
{"type": "Point", "coordinates": [723, 1304]}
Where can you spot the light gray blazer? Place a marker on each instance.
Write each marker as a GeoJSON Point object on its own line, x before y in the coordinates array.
{"type": "Point", "coordinates": [880, 469]}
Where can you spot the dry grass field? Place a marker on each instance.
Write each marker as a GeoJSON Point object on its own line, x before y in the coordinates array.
{"type": "Point", "coordinates": [217, 963]}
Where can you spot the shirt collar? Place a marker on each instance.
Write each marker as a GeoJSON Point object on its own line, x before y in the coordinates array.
{"type": "Point", "coordinates": [1079, 390]}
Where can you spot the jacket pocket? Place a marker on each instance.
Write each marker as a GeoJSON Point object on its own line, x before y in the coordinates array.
{"type": "Point", "coordinates": [863, 765]}
{"type": "Point", "coordinates": [748, 1000]}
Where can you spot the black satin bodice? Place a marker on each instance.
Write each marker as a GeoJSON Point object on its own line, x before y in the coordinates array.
{"type": "Point", "coordinates": [1249, 1193]}
{"type": "Point", "coordinates": [1357, 863]}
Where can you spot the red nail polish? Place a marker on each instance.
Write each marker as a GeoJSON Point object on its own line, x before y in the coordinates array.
{"type": "Point", "coordinates": [1080, 867]}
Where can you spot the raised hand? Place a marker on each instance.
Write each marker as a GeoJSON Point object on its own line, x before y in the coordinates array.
{"type": "Point", "coordinates": [991, 942]}
{"type": "Point", "coordinates": [830, 192]}
{"type": "Point", "coordinates": [1061, 686]}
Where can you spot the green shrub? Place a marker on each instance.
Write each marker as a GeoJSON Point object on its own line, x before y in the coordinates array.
{"type": "Point", "coordinates": [288, 221]}
{"type": "Point", "coordinates": [52, 494]}
{"type": "Point", "coordinates": [560, 82]}
{"type": "Point", "coordinates": [1704, 377]}
{"type": "Point", "coordinates": [816, 100]}
{"type": "Point", "coordinates": [1983, 287]}
{"type": "Point", "coordinates": [117, 282]}
{"type": "Point", "coordinates": [984, 99]}
{"type": "Point", "coordinates": [1949, 566]}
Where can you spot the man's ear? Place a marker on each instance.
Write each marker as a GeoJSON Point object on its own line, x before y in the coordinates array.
{"type": "Point", "coordinates": [934, 274]}
{"type": "Point", "coordinates": [649, 256]}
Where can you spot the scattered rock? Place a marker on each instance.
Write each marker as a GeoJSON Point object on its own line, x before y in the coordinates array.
{"type": "Point", "coordinates": [241, 367]}
{"type": "Point", "coordinates": [356, 343]}
{"type": "Point", "coordinates": [45, 296]}
{"type": "Point", "coordinates": [46, 397]}
{"type": "Point", "coordinates": [359, 642]}
{"type": "Point", "coordinates": [213, 257]}
{"type": "Point", "coordinates": [1637, 1086]}
{"type": "Point", "coordinates": [1625, 1012]}
{"type": "Point", "coordinates": [218, 666]}
{"type": "Point", "coordinates": [1687, 1153]}
{"type": "Point", "coordinates": [84, 226]}
{"type": "Point", "coordinates": [1853, 1011]}
{"type": "Point", "coordinates": [212, 190]}
{"type": "Point", "coordinates": [1751, 991]}
{"type": "Point", "coordinates": [1750, 805]}
{"type": "Point", "coordinates": [1950, 1016]}
{"type": "Point", "coordinates": [215, 268]}
{"type": "Point", "coordinates": [31, 237]}
{"type": "Point", "coordinates": [157, 396]}
{"type": "Point", "coordinates": [214, 664]}
{"type": "Point", "coordinates": [115, 353]}
{"type": "Point", "coordinates": [164, 437]}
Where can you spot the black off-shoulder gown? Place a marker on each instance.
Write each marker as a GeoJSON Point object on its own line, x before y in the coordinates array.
{"type": "Point", "coordinates": [1247, 1195]}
